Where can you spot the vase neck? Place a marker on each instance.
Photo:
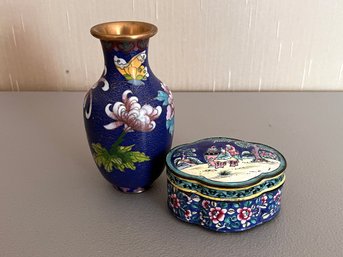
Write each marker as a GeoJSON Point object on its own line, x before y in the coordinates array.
{"type": "Point", "coordinates": [125, 55]}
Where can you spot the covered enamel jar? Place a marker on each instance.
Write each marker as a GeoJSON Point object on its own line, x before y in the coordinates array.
{"type": "Point", "coordinates": [225, 184]}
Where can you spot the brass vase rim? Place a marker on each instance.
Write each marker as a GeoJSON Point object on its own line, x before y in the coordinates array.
{"type": "Point", "coordinates": [123, 30]}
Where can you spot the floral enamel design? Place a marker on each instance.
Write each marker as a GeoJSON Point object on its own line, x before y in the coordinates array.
{"type": "Point", "coordinates": [134, 71]}
{"type": "Point", "coordinates": [167, 99]}
{"type": "Point", "coordinates": [89, 94]}
{"type": "Point", "coordinates": [127, 46]}
{"type": "Point", "coordinates": [130, 115]}
{"type": "Point", "coordinates": [220, 215]}
{"type": "Point", "coordinates": [217, 214]}
{"type": "Point", "coordinates": [277, 197]}
{"type": "Point", "coordinates": [243, 215]}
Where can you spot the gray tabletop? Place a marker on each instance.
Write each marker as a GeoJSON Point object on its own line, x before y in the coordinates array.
{"type": "Point", "coordinates": [54, 202]}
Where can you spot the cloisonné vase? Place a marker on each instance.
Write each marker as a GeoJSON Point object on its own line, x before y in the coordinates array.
{"type": "Point", "coordinates": [129, 112]}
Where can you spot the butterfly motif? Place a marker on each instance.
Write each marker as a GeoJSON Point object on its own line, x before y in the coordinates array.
{"type": "Point", "coordinates": [133, 71]}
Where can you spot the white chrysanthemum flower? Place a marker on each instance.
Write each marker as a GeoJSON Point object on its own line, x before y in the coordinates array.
{"type": "Point", "coordinates": [132, 115]}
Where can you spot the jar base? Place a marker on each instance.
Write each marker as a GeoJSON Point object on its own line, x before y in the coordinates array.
{"type": "Point", "coordinates": [128, 190]}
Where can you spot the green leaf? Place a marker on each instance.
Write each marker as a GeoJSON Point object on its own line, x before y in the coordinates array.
{"type": "Point", "coordinates": [127, 77]}
{"type": "Point", "coordinates": [227, 220]}
{"type": "Point", "coordinates": [98, 148]}
{"type": "Point", "coordinates": [117, 142]}
{"type": "Point", "coordinates": [224, 205]}
{"type": "Point", "coordinates": [102, 157]}
{"type": "Point", "coordinates": [235, 224]}
{"type": "Point", "coordinates": [247, 203]}
{"type": "Point", "coordinates": [139, 157]}
{"type": "Point", "coordinates": [170, 125]}
{"type": "Point", "coordinates": [131, 166]}
{"type": "Point", "coordinates": [120, 157]}
{"type": "Point", "coordinates": [126, 148]}
{"type": "Point", "coordinates": [139, 77]}
{"type": "Point", "coordinates": [236, 205]}
{"type": "Point", "coordinates": [117, 161]}
{"type": "Point", "coordinates": [108, 165]}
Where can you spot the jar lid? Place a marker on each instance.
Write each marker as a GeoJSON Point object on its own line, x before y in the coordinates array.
{"type": "Point", "coordinates": [222, 162]}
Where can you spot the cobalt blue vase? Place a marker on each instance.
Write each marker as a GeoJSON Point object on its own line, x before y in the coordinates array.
{"type": "Point", "coordinates": [129, 112]}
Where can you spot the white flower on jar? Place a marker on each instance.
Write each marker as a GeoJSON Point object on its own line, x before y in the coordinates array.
{"type": "Point", "coordinates": [132, 115]}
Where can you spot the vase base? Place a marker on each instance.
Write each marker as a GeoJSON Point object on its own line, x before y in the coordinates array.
{"type": "Point", "coordinates": [137, 190]}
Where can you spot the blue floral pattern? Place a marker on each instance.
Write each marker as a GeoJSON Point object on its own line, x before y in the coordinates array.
{"type": "Point", "coordinates": [223, 216]}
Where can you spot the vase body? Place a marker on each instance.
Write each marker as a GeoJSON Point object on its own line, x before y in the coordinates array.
{"type": "Point", "coordinates": [128, 116]}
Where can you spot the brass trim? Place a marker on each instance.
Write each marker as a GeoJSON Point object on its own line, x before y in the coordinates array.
{"type": "Point", "coordinates": [123, 30]}
{"type": "Point", "coordinates": [228, 189]}
{"type": "Point", "coordinates": [230, 199]}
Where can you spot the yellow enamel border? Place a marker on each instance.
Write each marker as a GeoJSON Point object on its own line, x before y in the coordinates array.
{"type": "Point", "coordinates": [231, 199]}
{"type": "Point", "coordinates": [227, 189]}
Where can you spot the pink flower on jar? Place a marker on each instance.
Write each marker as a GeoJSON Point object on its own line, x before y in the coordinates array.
{"type": "Point", "coordinates": [174, 201]}
{"type": "Point", "coordinates": [170, 107]}
{"type": "Point", "coordinates": [264, 199]}
{"type": "Point", "coordinates": [277, 197]}
{"type": "Point", "coordinates": [169, 93]}
{"type": "Point", "coordinates": [244, 214]}
{"type": "Point", "coordinates": [170, 112]}
{"type": "Point", "coordinates": [188, 214]}
{"type": "Point", "coordinates": [205, 204]}
{"type": "Point", "coordinates": [217, 214]}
